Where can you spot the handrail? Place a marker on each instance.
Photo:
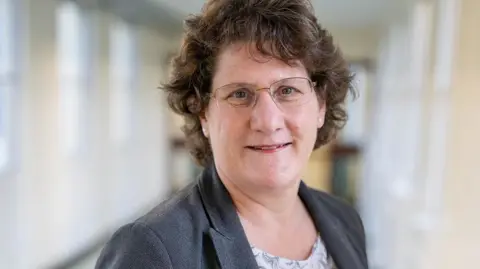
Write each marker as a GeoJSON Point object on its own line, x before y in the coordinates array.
{"type": "Point", "coordinates": [83, 254]}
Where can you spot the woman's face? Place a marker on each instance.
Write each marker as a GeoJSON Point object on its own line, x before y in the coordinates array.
{"type": "Point", "coordinates": [266, 145]}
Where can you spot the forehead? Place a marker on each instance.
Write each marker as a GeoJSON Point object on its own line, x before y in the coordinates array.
{"type": "Point", "coordinates": [242, 63]}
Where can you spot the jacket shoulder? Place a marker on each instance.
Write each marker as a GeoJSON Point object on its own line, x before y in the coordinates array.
{"type": "Point", "coordinates": [333, 203]}
{"type": "Point", "coordinates": [181, 207]}
{"type": "Point", "coordinates": [150, 241]}
{"type": "Point", "coordinates": [342, 211]}
{"type": "Point", "coordinates": [134, 246]}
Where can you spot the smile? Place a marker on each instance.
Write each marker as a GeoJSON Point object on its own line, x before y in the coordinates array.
{"type": "Point", "coordinates": [269, 148]}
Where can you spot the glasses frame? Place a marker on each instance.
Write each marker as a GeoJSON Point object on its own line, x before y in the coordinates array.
{"type": "Point", "coordinates": [268, 89]}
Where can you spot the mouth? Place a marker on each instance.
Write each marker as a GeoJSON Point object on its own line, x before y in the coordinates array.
{"type": "Point", "coordinates": [269, 148]}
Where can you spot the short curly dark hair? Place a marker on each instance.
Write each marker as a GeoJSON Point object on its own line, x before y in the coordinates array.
{"type": "Point", "coordinates": [284, 29]}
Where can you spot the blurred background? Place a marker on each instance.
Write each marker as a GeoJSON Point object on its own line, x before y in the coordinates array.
{"type": "Point", "coordinates": [87, 143]}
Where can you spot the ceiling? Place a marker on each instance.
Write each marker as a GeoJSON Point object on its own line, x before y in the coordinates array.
{"type": "Point", "coordinates": [331, 13]}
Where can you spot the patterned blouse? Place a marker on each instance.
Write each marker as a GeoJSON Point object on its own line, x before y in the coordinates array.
{"type": "Point", "coordinates": [319, 259]}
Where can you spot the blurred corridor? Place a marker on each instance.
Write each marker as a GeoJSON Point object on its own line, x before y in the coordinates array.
{"type": "Point", "coordinates": [87, 143]}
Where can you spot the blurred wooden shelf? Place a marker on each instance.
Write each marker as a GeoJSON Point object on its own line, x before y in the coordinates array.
{"type": "Point", "coordinates": [341, 150]}
{"type": "Point", "coordinates": [177, 143]}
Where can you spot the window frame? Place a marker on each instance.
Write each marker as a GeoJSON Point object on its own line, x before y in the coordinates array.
{"type": "Point", "coordinates": [122, 77]}
{"type": "Point", "coordinates": [74, 50]}
{"type": "Point", "coordinates": [10, 86]}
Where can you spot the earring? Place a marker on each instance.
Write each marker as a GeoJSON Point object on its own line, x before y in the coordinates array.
{"type": "Point", "coordinates": [204, 132]}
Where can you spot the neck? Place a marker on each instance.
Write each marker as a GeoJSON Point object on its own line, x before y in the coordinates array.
{"type": "Point", "coordinates": [265, 207]}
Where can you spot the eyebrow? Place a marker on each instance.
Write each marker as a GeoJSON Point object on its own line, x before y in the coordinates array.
{"type": "Point", "coordinates": [238, 84]}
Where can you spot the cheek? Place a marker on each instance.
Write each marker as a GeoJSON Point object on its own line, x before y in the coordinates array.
{"type": "Point", "coordinates": [306, 120]}
{"type": "Point", "coordinates": [228, 129]}
{"type": "Point", "coordinates": [303, 126]}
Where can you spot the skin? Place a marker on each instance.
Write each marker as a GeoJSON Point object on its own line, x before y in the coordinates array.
{"type": "Point", "coordinates": [264, 185]}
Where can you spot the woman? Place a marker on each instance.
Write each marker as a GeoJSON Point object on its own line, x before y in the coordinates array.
{"type": "Point", "coordinates": [260, 85]}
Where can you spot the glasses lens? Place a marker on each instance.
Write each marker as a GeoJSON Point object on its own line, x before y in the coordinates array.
{"type": "Point", "coordinates": [237, 94]}
{"type": "Point", "coordinates": [292, 91]}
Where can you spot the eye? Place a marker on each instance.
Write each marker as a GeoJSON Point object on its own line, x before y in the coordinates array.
{"type": "Point", "coordinates": [240, 97]}
{"type": "Point", "coordinates": [287, 90]}
{"type": "Point", "coordinates": [239, 94]}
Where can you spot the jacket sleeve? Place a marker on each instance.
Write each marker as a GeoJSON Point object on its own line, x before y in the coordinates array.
{"type": "Point", "coordinates": [134, 246]}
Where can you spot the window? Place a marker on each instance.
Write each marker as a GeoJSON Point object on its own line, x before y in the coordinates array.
{"type": "Point", "coordinates": [123, 61]}
{"type": "Point", "coordinates": [8, 80]}
{"type": "Point", "coordinates": [73, 69]}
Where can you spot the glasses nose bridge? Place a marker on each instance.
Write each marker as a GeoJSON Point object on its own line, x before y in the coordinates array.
{"type": "Point", "coordinates": [269, 90]}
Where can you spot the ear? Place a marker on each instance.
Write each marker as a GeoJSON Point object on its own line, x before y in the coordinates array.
{"type": "Point", "coordinates": [204, 123]}
{"type": "Point", "coordinates": [321, 114]}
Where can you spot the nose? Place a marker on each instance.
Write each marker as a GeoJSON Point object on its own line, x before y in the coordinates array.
{"type": "Point", "coordinates": [266, 117]}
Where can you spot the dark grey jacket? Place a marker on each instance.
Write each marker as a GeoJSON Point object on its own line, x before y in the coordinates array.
{"type": "Point", "coordinates": [199, 228]}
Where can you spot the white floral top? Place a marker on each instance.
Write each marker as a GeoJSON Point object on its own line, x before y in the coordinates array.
{"type": "Point", "coordinates": [319, 259]}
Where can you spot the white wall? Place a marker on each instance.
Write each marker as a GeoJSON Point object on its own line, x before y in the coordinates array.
{"type": "Point", "coordinates": [57, 203]}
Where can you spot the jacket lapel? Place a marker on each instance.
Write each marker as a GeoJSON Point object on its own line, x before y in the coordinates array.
{"type": "Point", "coordinates": [231, 244]}
{"type": "Point", "coordinates": [227, 234]}
{"type": "Point", "coordinates": [333, 233]}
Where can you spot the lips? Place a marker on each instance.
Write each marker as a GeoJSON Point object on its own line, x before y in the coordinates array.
{"type": "Point", "coordinates": [269, 148]}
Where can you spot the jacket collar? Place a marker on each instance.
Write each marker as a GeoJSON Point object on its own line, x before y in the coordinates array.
{"type": "Point", "coordinates": [231, 244]}
{"type": "Point", "coordinates": [333, 233]}
{"type": "Point", "coordinates": [227, 234]}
